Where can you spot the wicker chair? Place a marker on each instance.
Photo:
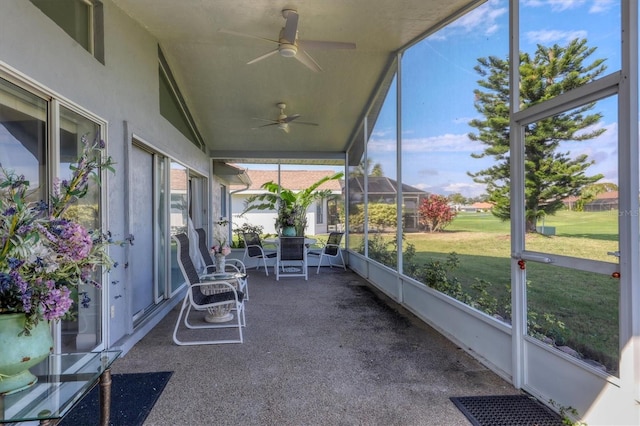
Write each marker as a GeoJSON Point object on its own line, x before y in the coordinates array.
{"type": "Point", "coordinates": [253, 249]}
{"type": "Point", "coordinates": [235, 266]}
{"type": "Point", "coordinates": [219, 298]}
{"type": "Point", "coordinates": [291, 260]}
{"type": "Point", "coordinates": [331, 251]}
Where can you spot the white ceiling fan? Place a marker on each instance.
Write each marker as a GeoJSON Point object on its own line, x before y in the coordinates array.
{"type": "Point", "coordinates": [289, 45]}
{"type": "Point", "coordinates": [283, 120]}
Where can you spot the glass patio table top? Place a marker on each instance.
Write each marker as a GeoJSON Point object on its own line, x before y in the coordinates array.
{"type": "Point", "coordinates": [307, 241]}
{"type": "Point", "coordinates": [63, 379]}
{"type": "Point", "coordinates": [224, 276]}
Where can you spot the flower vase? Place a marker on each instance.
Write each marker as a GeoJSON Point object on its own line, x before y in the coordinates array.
{"type": "Point", "coordinates": [19, 352]}
{"type": "Point", "coordinates": [289, 231]}
{"type": "Point", "coordinates": [220, 262]}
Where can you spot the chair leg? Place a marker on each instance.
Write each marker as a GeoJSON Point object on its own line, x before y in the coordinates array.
{"type": "Point", "coordinates": [319, 263]}
{"type": "Point", "coordinates": [175, 330]}
{"type": "Point", "coordinates": [344, 266]}
{"type": "Point", "coordinates": [240, 319]}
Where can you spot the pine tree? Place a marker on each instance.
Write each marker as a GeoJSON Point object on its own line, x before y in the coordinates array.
{"type": "Point", "coordinates": [550, 175]}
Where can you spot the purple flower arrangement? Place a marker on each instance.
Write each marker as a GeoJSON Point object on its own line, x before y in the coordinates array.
{"type": "Point", "coordinates": [44, 256]}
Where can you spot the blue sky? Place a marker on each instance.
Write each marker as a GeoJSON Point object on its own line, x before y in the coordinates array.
{"type": "Point", "coordinates": [438, 82]}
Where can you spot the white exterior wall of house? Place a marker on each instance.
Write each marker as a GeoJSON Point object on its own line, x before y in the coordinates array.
{"type": "Point", "coordinates": [267, 218]}
{"type": "Point", "coordinates": [37, 54]}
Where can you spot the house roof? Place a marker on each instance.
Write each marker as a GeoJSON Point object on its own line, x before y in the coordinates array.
{"type": "Point", "coordinates": [382, 185]}
{"type": "Point", "coordinates": [292, 179]}
{"type": "Point", "coordinates": [609, 195]}
{"type": "Point", "coordinates": [482, 205]}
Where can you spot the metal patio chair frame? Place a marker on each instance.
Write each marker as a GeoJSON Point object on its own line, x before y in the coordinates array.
{"type": "Point", "coordinates": [206, 295]}
{"type": "Point", "coordinates": [253, 249]}
{"type": "Point", "coordinates": [231, 265]}
{"type": "Point", "coordinates": [331, 250]}
{"type": "Point", "coordinates": [292, 252]}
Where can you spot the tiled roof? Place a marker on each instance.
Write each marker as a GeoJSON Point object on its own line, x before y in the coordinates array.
{"type": "Point", "coordinates": [482, 205]}
{"type": "Point", "coordinates": [609, 195]}
{"type": "Point", "coordinates": [293, 179]}
{"type": "Point", "coordinates": [178, 180]}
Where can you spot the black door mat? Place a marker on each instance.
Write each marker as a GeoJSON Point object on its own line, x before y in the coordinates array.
{"type": "Point", "coordinates": [506, 410]}
{"type": "Point", "coordinates": [132, 398]}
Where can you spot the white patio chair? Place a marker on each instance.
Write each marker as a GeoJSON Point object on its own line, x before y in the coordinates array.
{"type": "Point", "coordinates": [331, 251]}
{"type": "Point", "coordinates": [291, 260]}
{"type": "Point", "coordinates": [219, 298]}
{"type": "Point", "coordinates": [235, 266]}
{"type": "Point", "coordinates": [253, 249]}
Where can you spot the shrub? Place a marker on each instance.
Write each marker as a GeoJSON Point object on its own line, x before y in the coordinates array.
{"type": "Point", "coordinates": [435, 213]}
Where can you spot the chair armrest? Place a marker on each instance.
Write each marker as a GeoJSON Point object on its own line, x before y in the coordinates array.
{"type": "Point", "coordinates": [208, 269]}
{"type": "Point", "coordinates": [255, 246]}
{"type": "Point", "coordinates": [238, 264]}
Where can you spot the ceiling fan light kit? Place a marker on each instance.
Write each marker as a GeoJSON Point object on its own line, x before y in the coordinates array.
{"type": "Point", "coordinates": [288, 50]}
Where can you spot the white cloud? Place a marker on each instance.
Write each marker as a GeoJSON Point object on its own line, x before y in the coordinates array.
{"type": "Point", "coordinates": [469, 190]}
{"type": "Point", "coordinates": [443, 143]}
{"type": "Point", "coordinates": [597, 6]}
{"type": "Point", "coordinates": [554, 36]}
{"type": "Point", "coordinates": [381, 133]}
{"type": "Point", "coordinates": [601, 6]}
{"type": "Point", "coordinates": [554, 5]}
{"type": "Point", "coordinates": [448, 142]}
{"type": "Point", "coordinates": [481, 20]}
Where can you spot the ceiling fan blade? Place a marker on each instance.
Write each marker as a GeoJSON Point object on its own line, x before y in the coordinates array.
{"type": "Point", "coordinates": [266, 125]}
{"type": "Point", "coordinates": [291, 27]}
{"type": "Point", "coordinates": [317, 44]}
{"type": "Point", "coordinates": [247, 35]}
{"type": "Point", "coordinates": [308, 61]}
{"type": "Point", "coordinates": [291, 118]}
{"type": "Point", "coordinates": [306, 123]}
{"type": "Point", "coordinates": [264, 119]}
{"type": "Point", "coordinates": [259, 58]}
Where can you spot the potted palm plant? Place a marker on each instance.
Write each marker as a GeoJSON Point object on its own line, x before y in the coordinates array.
{"type": "Point", "coordinates": [291, 205]}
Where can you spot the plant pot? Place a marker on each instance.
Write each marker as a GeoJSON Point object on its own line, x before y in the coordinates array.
{"type": "Point", "coordinates": [289, 231]}
{"type": "Point", "coordinates": [19, 352]}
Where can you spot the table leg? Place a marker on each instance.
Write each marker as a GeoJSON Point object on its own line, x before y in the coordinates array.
{"type": "Point", "coordinates": [105, 397]}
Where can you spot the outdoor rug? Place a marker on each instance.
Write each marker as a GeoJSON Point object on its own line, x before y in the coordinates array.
{"type": "Point", "coordinates": [132, 398]}
{"type": "Point", "coordinates": [506, 410]}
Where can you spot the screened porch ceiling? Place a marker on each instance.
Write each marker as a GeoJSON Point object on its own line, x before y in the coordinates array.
{"type": "Point", "coordinates": [225, 95]}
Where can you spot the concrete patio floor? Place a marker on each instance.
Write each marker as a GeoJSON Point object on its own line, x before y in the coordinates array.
{"type": "Point", "coordinates": [330, 350]}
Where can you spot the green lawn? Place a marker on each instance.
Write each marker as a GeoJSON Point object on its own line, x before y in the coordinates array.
{"type": "Point", "coordinates": [586, 303]}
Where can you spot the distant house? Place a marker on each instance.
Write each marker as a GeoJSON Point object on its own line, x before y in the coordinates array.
{"type": "Point", "coordinates": [385, 190]}
{"type": "Point", "coordinates": [605, 201]}
{"type": "Point", "coordinates": [322, 217]}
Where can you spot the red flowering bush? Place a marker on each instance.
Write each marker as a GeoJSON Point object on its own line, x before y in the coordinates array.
{"type": "Point", "coordinates": [435, 213]}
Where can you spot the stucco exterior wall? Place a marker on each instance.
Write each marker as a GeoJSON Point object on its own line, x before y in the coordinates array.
{"type": "Point", "coordinates": [123, 92]}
